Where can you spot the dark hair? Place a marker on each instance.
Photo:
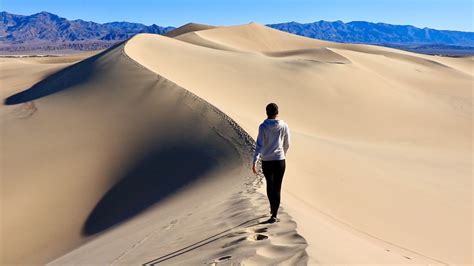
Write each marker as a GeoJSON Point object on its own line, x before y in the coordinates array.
{"type": "Point", "coordinates": [272, 110]}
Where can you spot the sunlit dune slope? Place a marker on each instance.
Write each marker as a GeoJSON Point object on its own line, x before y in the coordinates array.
{"type": "Point", "coordinates": [381, 138]}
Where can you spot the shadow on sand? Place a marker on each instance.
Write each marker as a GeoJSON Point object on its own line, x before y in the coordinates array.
{"type": "Point", "coordinates": [157, 174]}
{"type": "Point", "coordinates": [203, 242]}
{"type": "Point", "coordinates": [58, 81]}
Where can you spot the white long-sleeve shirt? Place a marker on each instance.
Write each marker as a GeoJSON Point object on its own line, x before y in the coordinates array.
{"type": "Point", "coordinates": [273, 140]}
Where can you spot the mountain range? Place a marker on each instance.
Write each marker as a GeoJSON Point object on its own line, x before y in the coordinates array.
{"type": "Point", "coordinates": [45, 31]}
{"type": "Point", "coordinates": [376, 33]}
{"type": "Point", "coordinates": [45, 26]}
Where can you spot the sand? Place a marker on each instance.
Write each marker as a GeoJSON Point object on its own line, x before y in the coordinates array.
{"type": "Point", "coordinates": [379, 169]}
{"type": "Point", "coordinates": [116, 165]}
{"type": "Point", "coordinates": [190, 27]}
{"type": "Point", "coordinates": [381, 137]}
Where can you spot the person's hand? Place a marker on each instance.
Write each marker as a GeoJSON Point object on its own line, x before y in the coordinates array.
{"type": "Point", "coordinates": [254, 168]}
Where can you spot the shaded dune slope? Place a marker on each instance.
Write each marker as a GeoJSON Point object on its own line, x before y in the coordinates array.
{"type": "Point", "coordinates": [381, 137]}
{"type": "Point", "coordinates": [375, 133]}
{"type": "Point", "coordinates": [20, 73]}
{"type": "Point", "coordinates": [195, 38]}
{"type": "Point", "coordinates": [105, 116]}
{"type": "Point", "coordinates": [255, 37]}
{"type": "Point", "coordinates": [190, 27]}
{"type": "Point", "coordinates": [107, 143]}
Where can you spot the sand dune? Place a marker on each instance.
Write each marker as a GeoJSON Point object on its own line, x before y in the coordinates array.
{"type": "Point", "coordinates": [22, 72]}
{"type": "Point", "coordinates": [254, 37]}
{"type": "Point", "coordinates": [139, 155]}
{"type": "Point", "coordinates": [190, 27]}
{"type": "Point", "coordinates": [31, 70]}
{"type": "Point", "coordinates": [381, 137]}
{"type": "Point", "coordinates": [132, 168]}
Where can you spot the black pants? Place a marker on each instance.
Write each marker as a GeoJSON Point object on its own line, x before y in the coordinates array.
{"type": "Point", "coordinates": [273, 172]}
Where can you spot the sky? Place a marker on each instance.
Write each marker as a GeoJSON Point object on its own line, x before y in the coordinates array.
{"type": "Point", "coordinates": [437, 14]}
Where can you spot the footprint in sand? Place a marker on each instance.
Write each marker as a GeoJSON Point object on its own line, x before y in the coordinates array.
{"type": "Point", "coordinates": [257, 237]}
{"type": "Point", "coordinates": [252, 237]}
{"type": "Point", "coordinates": [221, 259]}
{"type": "Point", "coordinates": [171, 225]}
{"type": "Point", "coordinates": [24, 110]}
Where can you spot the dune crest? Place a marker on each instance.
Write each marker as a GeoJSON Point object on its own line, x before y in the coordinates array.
{"type": "Point", "coordinates": [190, 27]}
{"type": "Point", "coordinates": [119, 165]}
{"type": "Point", "coordinates": [381, 139]}
{"type": "Point", "coordinates": [255, 37]}
{"type": "Point", "coordinates": [141, 154]}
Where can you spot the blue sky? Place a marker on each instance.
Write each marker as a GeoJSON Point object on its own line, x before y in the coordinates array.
{"type": "Point", "coordinates": [438, 14]}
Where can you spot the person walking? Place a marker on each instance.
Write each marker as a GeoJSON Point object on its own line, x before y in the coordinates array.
{"type": "Point", "coordinates": [273, 141]}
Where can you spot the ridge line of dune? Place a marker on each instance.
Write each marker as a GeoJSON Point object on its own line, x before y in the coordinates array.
{"type": "Point", "coordinates": [247, 138]}
{"type": "Point", "coordinates": [189, 27]}
{"type": "Point", "coordinates": [242, 133]}
{"type": "Point", "coordinates": [235, 203]}
{"type": "Point", "coordinates": [329, 45]}
{"type": "Point", "coordinates": [200, 35]}
{"type": "Point", "coordinates": [341, 222]}
{"type": "Point", "coordinates": [161, 66]}
{"type": "Point", "coordinates": [385, 148]}
{"type": "Point", "coordinates": [208, 43]}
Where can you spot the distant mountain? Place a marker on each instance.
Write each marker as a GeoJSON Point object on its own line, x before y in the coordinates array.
{"type": "Point", "coordinates": [49, 32]}
{"type": "Point", "coordinates": [376, 33]}
{"type": "Point", "coordinates": [46, 30]}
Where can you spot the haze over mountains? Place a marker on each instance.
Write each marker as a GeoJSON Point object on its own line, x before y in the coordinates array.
{"type": "Point", "coordinates": [46, 32]}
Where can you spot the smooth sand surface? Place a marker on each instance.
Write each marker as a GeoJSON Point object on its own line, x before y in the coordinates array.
{"type": "Point", "coordinates": [381, 142]}
{"type": "Point", "coordinates": [112, 164]}
{"type": "Point", "coordinates": [19, 73]}
{"type": "Point", "coordinates": [22, 72]}
{"type": "Point", "coordinates": [140, 155]}
{"type": "Point", "coordinates": [190, 27]}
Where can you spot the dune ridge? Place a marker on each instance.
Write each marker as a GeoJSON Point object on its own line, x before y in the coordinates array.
{"type": "Point", "coordinates": [375, 136]}
{"type": "Point", "coordinates": [379, 170]}
{"type": "Point", "coordinates": [32, 69]}
{"type": "Point", "coordinates": [190, 27]}
{"type": "Point", "coordinates": [122, 159]}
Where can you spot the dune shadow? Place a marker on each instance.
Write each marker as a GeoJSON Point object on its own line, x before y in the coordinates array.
{"type": "Point", "coordinates": [156, 175]}
{"type": "Point", "coordinates": [58, 81]}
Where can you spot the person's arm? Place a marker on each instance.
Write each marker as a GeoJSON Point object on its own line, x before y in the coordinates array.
{"type": "Point", "coordinates": [258, 147]}
{"type": "Point", "coordinates": [286, 140]}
